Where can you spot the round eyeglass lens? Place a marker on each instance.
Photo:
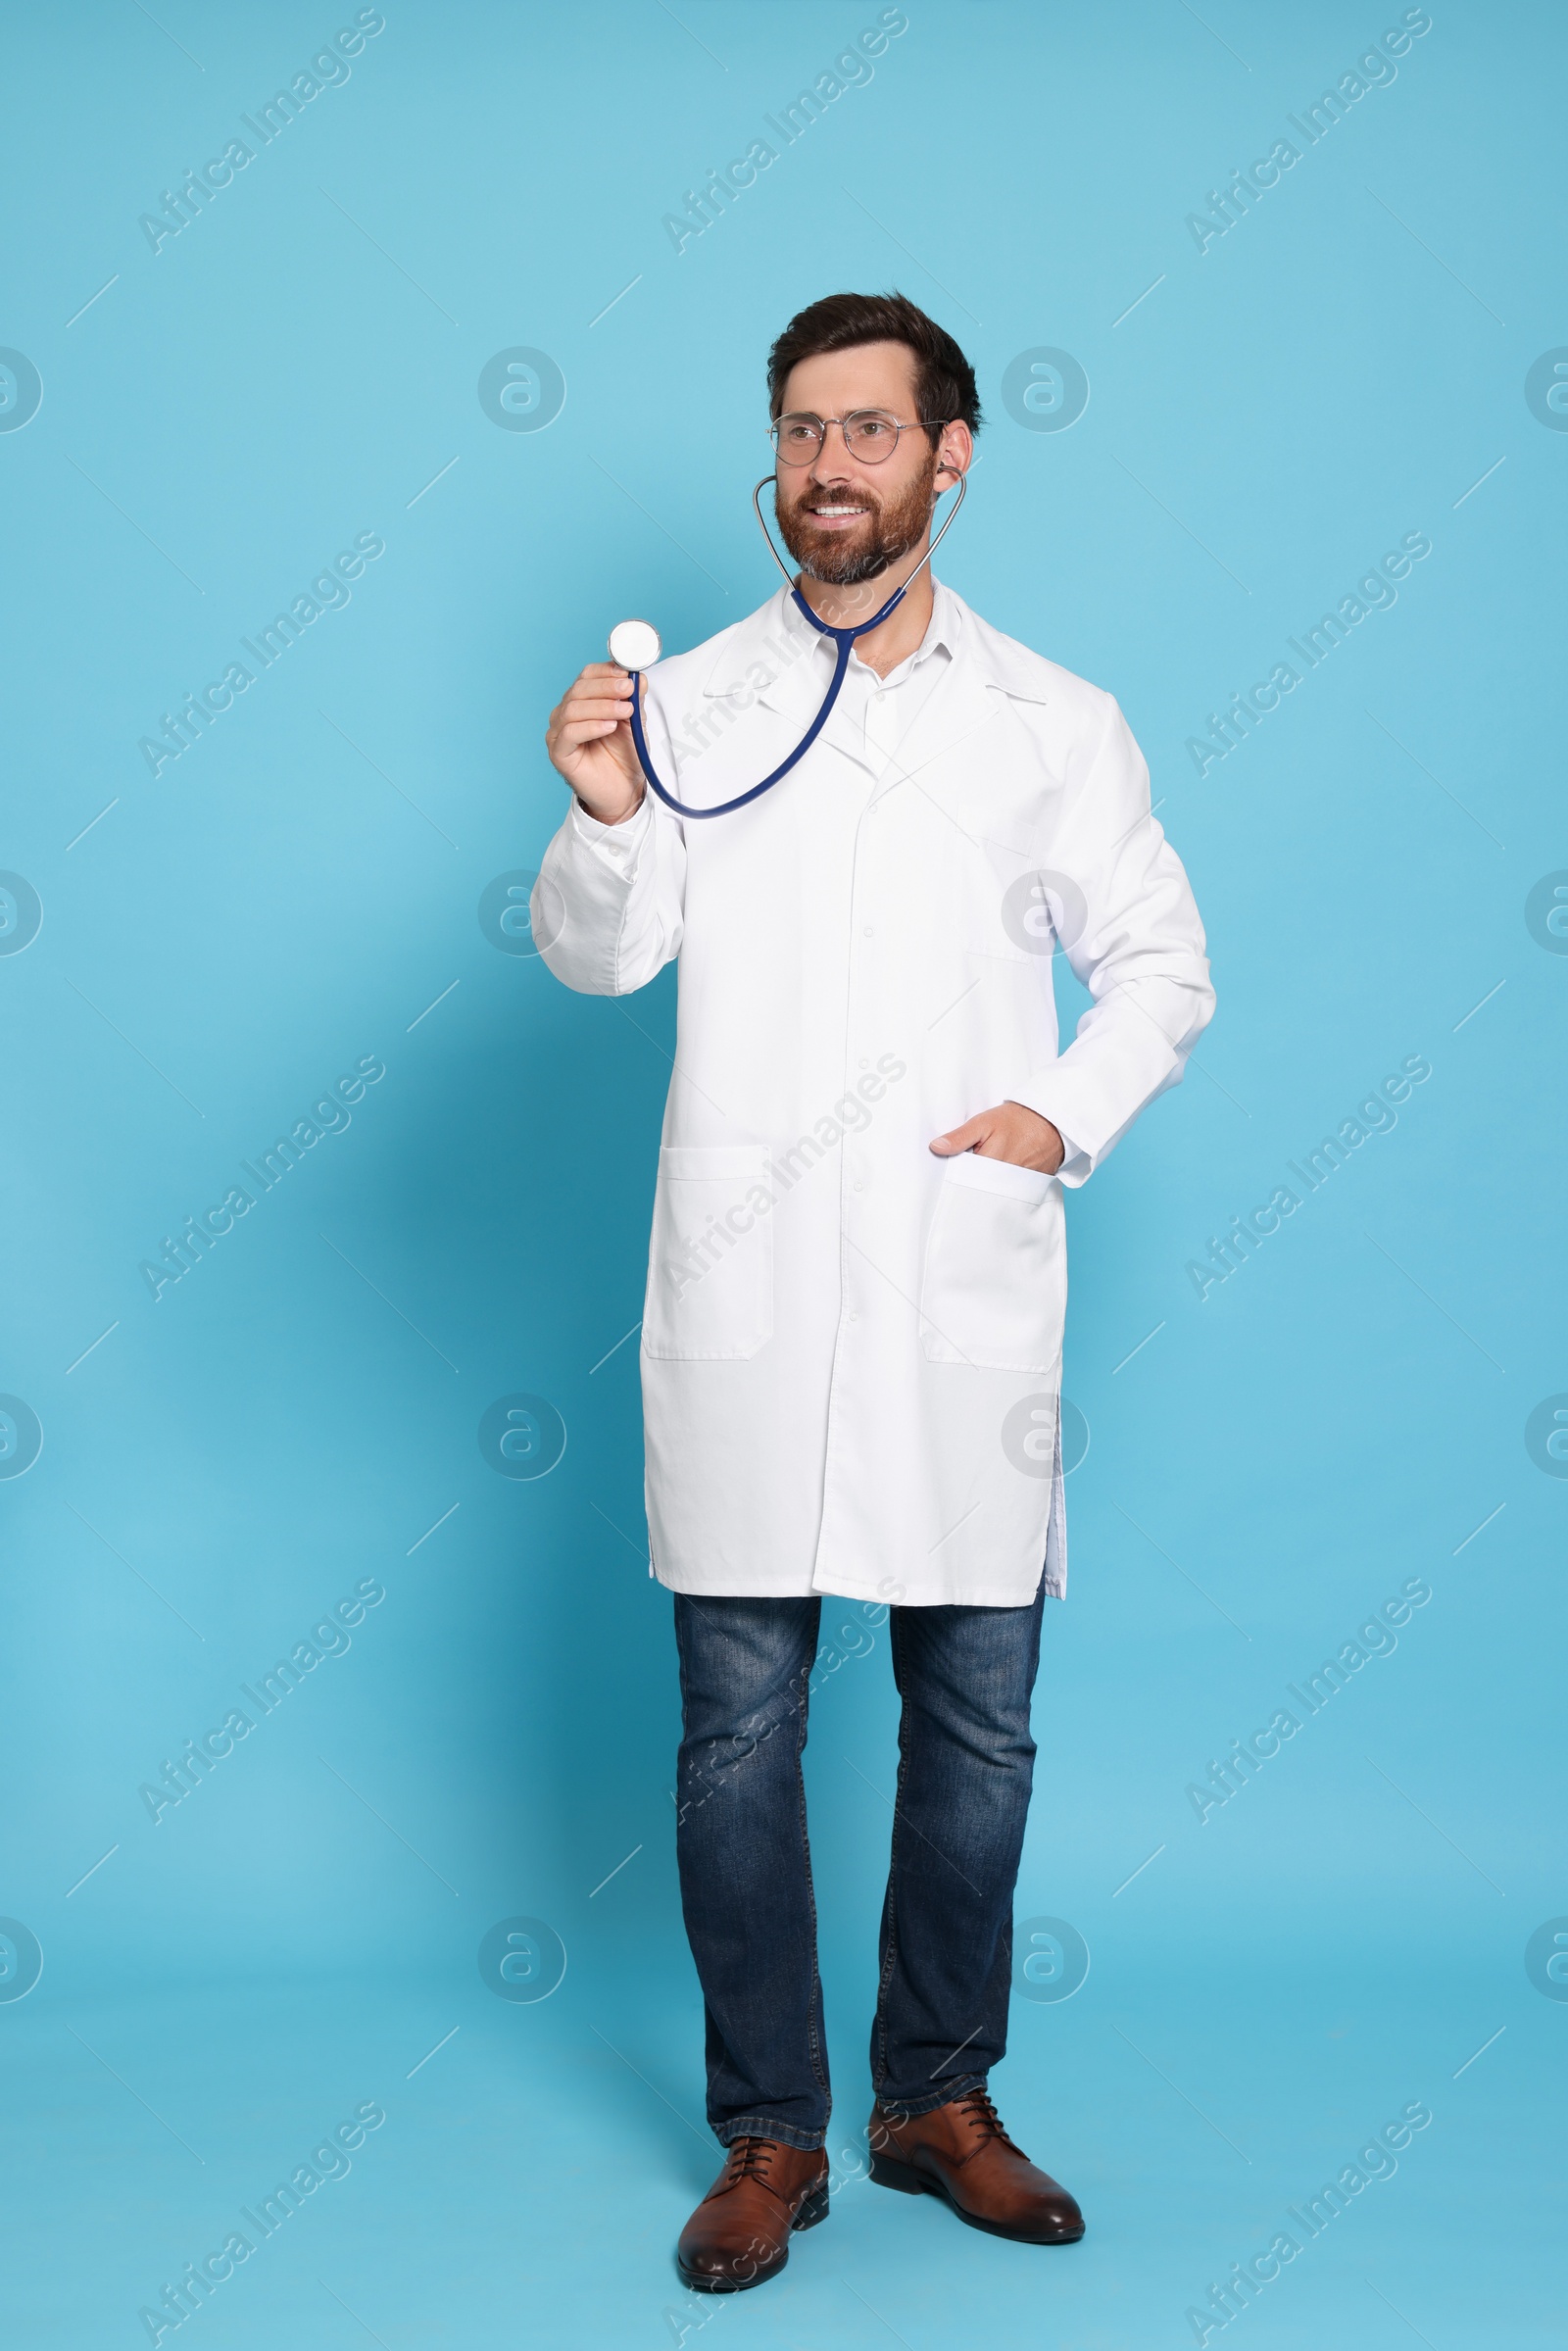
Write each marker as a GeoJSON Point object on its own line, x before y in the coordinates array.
{"type": "Point", "coordinates": [798, 439]}
{"type": "Point", "coordinates": [871, 435]}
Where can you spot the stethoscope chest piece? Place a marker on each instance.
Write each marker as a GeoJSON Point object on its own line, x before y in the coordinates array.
{"type": "Point", "coordinates": [635, 644]}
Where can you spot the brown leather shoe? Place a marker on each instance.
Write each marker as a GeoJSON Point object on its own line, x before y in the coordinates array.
{"type": "Point", "coordinates": [740, 2233]}
{"type": "Point", "coordinates": [960, 2151]}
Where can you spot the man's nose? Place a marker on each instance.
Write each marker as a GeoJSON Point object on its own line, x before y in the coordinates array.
{"type": "Point", "coordinates": [823, 475]}
{"type": "Point", "coordinates": [824, 457]}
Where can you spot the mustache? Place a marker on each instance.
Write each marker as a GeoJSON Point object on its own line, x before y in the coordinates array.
{"type": "Point", "coordinates": [865, 499]}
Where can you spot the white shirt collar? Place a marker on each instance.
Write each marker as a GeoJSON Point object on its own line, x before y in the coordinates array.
{"type": "Point", "coordinates": [942, 634]}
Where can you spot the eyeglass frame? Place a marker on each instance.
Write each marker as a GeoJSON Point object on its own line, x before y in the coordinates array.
{"type": "Point", "coordinates": [915, 423]}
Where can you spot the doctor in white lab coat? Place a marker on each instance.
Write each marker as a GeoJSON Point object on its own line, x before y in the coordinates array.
{"type": "Point", "coordinates": [853, 1328]}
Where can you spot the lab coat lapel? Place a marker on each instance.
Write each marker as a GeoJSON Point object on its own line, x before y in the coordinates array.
{"type": "Point", "coordinates": [961, 730]}
{"type": "Point", "coordinates": [777, 713]}
{"type": "Point", "coordinates": [766, 663]}
{"type": "Point", "coordinates": [797, 690]}
{"type": "Point", "coordinates": [963, 726]}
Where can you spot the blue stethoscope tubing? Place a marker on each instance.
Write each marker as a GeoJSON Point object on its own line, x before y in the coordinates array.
{"type": "Point", "coordinates": [843, 640]}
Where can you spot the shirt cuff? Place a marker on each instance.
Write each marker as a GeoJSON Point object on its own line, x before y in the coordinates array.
{"type": "Point", "coordinates": [616, 840]}
{"type": "Point", "coordinates": [1075, 1163]}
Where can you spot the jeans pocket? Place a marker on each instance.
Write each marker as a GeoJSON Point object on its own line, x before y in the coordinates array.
{"type": "Point", "coordinates": [995, 1285]}
{"type": "Point", "coordinates": [710, 1296]}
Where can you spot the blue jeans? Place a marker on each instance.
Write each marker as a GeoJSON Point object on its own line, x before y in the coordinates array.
{"type": "Point", "coordinates": [965, 1763]}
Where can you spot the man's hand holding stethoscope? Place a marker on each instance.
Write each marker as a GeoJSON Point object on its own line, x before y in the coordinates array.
{"type": "Point", "coordinates": [589, 742]}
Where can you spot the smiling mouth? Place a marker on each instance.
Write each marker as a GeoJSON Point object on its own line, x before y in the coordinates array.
{"type": "Point", "coordinates": [836, 513]}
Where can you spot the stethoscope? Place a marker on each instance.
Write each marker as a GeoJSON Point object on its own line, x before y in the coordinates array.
{"type": "Point", "coordinates": [635, 644]}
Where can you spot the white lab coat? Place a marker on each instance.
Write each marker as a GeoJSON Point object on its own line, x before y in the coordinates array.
{"type": "Point", "coordinates": [851, 1349]}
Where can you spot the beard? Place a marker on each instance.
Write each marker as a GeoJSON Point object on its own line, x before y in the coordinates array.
{"type": "Point", "coordinates": [893, 525]}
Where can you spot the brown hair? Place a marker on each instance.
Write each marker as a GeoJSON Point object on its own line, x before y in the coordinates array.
{"type": "Point", "coordinates": [944, 380]}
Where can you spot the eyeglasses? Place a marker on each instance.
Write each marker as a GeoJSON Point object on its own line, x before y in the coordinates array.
{"type": "Point", "coordinates": [869, 434]}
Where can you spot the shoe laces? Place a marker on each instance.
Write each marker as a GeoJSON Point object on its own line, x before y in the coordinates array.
{"type": "Point", "coordinates": [977, 2110]}
{"type": "Point", "coordinates": [750, 2158]}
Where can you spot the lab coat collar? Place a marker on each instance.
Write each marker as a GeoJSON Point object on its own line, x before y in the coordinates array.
{"type": "Point", "coordinates": [779, 640]}
{"type": "Point", "coordinates": [943, 632]}
{"type": "Point", "coordinates": [776, 639]}
{"type": "Point", "coordinates": [984, 667]}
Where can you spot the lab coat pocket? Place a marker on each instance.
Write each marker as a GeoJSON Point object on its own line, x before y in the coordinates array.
{"type": "Point", "coordinates": [710, 1296]}
{"type": "Point", "coordinates": [995, 1286]}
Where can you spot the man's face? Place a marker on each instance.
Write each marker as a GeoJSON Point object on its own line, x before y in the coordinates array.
{"type": "Point", "coordinates": [843, 519]}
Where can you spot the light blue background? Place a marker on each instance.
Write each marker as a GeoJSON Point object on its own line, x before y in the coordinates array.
{"type": "Point", "coordinates": [295, 368]}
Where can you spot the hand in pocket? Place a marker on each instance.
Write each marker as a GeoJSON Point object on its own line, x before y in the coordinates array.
{"type": "Point", "coordinates": [1008, 1132]}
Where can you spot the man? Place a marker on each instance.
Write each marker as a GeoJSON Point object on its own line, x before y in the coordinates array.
{"type": "Point", "coordinates": [851, 1336]}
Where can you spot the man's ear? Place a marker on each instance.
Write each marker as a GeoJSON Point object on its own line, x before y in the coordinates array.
{"type": "Point", "coordinates": [956, 455]}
